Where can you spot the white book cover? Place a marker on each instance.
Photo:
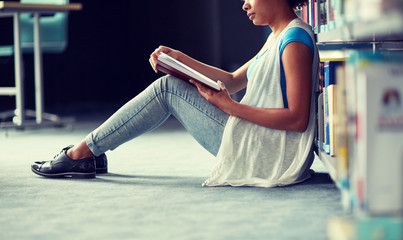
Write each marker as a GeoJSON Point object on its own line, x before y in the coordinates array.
{"type": "Point", "coordinates": [331, 109]}
{"type": "Point", "coordinates": [380, 137]}
{"type": "Point", "coordinates": [351, 109]}
{"type": "Point", "coordinates": [320, 124]}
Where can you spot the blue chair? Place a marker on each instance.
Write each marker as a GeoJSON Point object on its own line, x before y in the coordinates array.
{"type": "Point", "coordinates": [53, 29]}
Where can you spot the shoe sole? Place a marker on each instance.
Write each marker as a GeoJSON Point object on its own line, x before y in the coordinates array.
{"type": "Point", "coordinates": [101, 170]}
{"type": "Point", "coordinates": [66, 175]}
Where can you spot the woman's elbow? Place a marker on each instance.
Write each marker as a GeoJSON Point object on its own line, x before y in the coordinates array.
{"type": "Point", "coordinates": [301, 128]}
{"type": "Point", "coordinates": [300, 125]}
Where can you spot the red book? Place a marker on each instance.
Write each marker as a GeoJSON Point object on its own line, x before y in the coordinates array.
{"type": "Point", "coordinates": [171, 66]}
{"type": "Point", "coordinates": [305, 14]}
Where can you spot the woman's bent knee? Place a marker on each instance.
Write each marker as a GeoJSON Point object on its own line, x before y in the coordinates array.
{"type": "Point", "coordinates": [171, 84]}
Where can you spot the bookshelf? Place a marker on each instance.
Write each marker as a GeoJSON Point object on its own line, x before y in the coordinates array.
{"type": "Point", "coordinates": [339, 35]}
{"type": "Point", "coordinates": [343, 28]}
{"type": "Point", "coordinates": [389, 28]}
{"type": "Point", "coordinates": [384, 34]}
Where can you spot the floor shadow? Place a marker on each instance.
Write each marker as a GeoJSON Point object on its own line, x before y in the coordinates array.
{"type": "Point", "coordinates": [156, 177]}
{"type": "Point", "coordinates": [318, 178]}
{"type": "Point", "coordinates": [161, 181]}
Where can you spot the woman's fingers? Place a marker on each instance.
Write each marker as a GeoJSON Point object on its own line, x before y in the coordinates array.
{"type": "Point", "coordinates": [154, 56]}
{"type": "Point", "coordinates": [203, 90]}
{"type": "Point", "coordinates": [222, 85]}
{"type": "Point", "coordinates": [198, 85]}
{"type": "Point", "coordinates": [153, 64]}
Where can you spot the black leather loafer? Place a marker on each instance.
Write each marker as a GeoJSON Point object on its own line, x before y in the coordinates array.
{"type": "Point", "coordinates": [63, 166]}
{"type": "Point", "coordinates": [101, 164]}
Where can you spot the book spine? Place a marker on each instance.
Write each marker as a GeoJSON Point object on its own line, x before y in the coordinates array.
{"type": "Point", "coordinates": [323, 16]}
{"type": "Point", "coordinates": [320, 134]}
{"type": "Point", "coordinates": [361, 144]}
{"type": "Point", "coordinates": [329, 14]}
{"type": "Point", "coordinates": [317, 17]}
{"type": "Point", "coordinates": [326, 145]}
{"type": "Point", "coordinates": [310, 12]}
{"type": "Point", "coordinates": [340, 124]}
{"type": "Point", "coordinates": [380, 145]}
{"type": "Point", "coordinates": [331, 102]}
{"type": "Point", "coordinates": [338, 13]}
{"type": "Point", "coordinates": [350, 10]}
{"type": "Point", "coordinates": [341, 139]}
{"type": "Point", "coordinates": [320, 124]}
{"type": "Point", "coordinates": [305, 15]}
{"type": "Point", "coordinates": [375, 131]}
{"type": "Point", "coordinates": [329, 89]}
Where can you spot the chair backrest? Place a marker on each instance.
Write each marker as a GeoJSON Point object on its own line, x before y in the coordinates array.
{"type": "Point", "coordinates": [53, 29]}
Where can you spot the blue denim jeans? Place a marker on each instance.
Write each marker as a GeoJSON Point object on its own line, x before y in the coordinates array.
{"type": "Point", "coordinates": [165, 97]}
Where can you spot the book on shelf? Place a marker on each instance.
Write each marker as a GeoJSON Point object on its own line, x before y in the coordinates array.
{"type": "Point", "coordinates": [322, 16]}
{"type": "Point", "coordinates": [368, 114]}
{"type": "Point", "coordinates": [329, 76]}
{"type": "Point", "coordinates": [338, 13]}
{"type": "Point", "coordinates": [310, 12]}
{"type": "Point", "coordinates": [320, 121]}
{"type": "Point", "coordinates": [320, 133]}
{"type": "Point", "coordinates": [355, 62]}
{"type": "Point", "coordinates": [316, 13]}
{"type": "Point", "coordinates": [369, 145]}
{"type": "Point", "coordinates": [326, 15]}
{"type": "Point", "coordinates": [171, 66]}
{"type": "Point", "coordinates": [330, 89]}
{"type": "Point", "coordinates": [341, 132]}
{"type": "Point", "coordinates": [380, 138]}
{"type": "Point", "coordinates": [365, 228]}
{"type": "Point", "coordinates": [375, 9]}
{"type": "Point", "coordinates": [375, 132]}
{"type": "Point", "coordinates": [332, 14]}
{"type": "Point", "coordinates": [304, 14]}
{"type": "Point", "coordinates": [350, 10]}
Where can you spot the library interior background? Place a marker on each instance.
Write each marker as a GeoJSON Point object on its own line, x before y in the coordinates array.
{"type": "Point", "coordinates": [359, 136]}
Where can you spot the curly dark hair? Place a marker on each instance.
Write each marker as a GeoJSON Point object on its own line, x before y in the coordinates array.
{"type": "Point", "coordinates": [297, 4]}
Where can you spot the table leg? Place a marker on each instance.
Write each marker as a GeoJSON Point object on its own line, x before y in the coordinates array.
{"type": "Point", "coordinates": [19, 81]}
{"type": "Point", "coordinates": [38, 70]}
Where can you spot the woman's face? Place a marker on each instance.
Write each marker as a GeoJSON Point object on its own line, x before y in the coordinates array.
{"type": "Point", "coordinates": [258, 11]}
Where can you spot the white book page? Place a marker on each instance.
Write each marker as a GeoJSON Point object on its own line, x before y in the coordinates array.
{"type": "Point", "coordinates": [187, 70]}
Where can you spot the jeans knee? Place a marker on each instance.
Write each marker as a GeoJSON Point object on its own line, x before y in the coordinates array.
{"type": "Point", "coordinates": [169, 83]}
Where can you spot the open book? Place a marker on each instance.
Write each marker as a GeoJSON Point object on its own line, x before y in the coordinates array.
{"type": "Point", "coordinates": [171, 66]}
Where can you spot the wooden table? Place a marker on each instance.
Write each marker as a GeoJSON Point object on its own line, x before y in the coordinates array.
{"type": "Point", "coordinates": [14, 9]}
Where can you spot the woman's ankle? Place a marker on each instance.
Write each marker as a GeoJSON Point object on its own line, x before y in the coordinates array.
{"type": "Point", "coordinates": [79, 151]}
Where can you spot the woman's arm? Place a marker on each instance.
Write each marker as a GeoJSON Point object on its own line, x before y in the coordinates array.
{"type": "Point", "coordinates": [297, 63]}
{"type": "Point", "coordinates": [234, 81]}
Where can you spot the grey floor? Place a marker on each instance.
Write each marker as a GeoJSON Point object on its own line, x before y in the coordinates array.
{"type": "Point", "coordinates": [153, 191]}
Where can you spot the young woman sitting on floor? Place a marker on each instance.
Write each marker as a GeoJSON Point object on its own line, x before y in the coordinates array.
{"type": "Point", "coordinates": [265, 140]}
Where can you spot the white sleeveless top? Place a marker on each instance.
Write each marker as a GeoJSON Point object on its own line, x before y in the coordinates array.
{"type": "Point", "coordinates": [252, 155]}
